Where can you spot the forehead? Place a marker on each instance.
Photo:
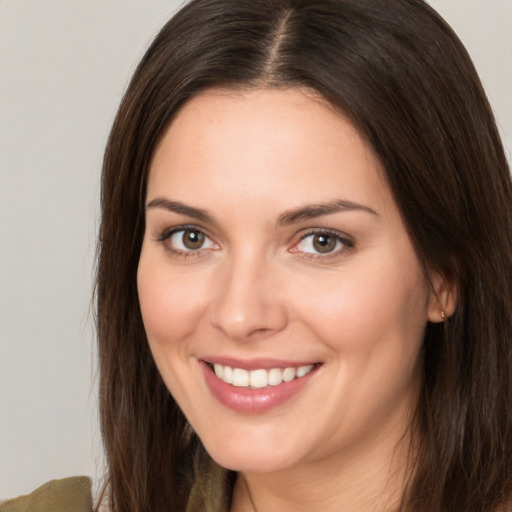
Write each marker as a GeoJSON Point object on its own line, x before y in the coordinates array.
{"type": "Point", "coordinates": [264, 142]}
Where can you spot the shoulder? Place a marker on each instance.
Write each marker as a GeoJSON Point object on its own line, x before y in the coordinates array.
{"type": "Point", "coordinates": [67, 495]}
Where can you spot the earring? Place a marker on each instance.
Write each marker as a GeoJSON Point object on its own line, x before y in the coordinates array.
{"type": "Point", "coordinates": [443, 315]}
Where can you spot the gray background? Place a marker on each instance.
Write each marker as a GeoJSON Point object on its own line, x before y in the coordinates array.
{"type": "Point", "coordinates": [63, 67]}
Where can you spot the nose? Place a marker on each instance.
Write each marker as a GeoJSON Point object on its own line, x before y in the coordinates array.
{"type": "Point", "coordinates": [247, 302]}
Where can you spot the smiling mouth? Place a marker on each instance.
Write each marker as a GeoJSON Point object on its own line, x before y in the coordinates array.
{"type": "Point", "coordinates": [259, 378]}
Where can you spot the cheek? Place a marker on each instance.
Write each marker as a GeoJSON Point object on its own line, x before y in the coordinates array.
{"type": "Point", "coordinates": [362, 307]}
{"type": "Point", "coordinates": [170, 302]}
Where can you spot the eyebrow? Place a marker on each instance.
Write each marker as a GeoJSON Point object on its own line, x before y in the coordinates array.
{"type": "Point", "coordinates": [318, 210]}
{"type": "Point", "coordinates": [181, 208]}
{"type": "Point", "coordinates": [302, 213]}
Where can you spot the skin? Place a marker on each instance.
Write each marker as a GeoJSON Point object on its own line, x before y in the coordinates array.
{"type": "Point", "coordinates": [257, 287]}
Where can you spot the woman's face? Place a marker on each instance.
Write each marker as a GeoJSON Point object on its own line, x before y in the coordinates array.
{"type": "Point", "coordinates": [275, 254]}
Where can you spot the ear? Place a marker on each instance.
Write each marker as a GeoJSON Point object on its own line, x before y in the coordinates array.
{"type": "Point", "coordinates": [443, 297]}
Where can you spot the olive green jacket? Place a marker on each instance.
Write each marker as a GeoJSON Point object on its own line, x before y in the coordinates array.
{"type": "Point", "coordinates": [68, 495]}
{"type": "Point", "coordinates": [211, 492]}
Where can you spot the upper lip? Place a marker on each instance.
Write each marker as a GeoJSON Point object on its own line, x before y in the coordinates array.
{"type": "Point", "coordinates": [256, 363]}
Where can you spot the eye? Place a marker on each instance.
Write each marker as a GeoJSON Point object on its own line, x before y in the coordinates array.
{"type": "Point", "coordinates": [322, 243]}
{"type": "Point", "coordinates": [187, 240]}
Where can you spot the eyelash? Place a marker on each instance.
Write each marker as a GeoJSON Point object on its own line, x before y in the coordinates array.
{"type": "Point", "coordinates": [165, 236]}
{"type": "Point", "coordinates": [346, 243]}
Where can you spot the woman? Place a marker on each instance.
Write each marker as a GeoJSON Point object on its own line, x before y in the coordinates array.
{"type": "Point", "coordinates": [304, 278]}
{"type": "Point", "coordinates": [305, 266]}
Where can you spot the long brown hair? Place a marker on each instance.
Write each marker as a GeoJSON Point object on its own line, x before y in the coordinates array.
{"type": "Point", "coordinates": [401, 75]}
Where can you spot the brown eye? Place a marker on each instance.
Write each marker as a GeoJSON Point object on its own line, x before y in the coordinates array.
{"type": "Point", "coordinates": [324, 243]}
{"type": "Point", "coordinates": [193, 240]}
{"type": "Point", "coordinates": [188, 240]}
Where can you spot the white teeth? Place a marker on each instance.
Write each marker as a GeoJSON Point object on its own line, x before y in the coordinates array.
{"type": "Point", "coordinates": [227, 375]}
{"type": "Point", "coordinates": [219, 370]}
{"type": "Point", "coordinates": [257, 379]}
{"type": "Point", "coordinates": [240, 377]}
{"type": "Point", "coordinates": [275, 376]}
{"type": "Point", "coordinates": [304, 370]}
{"type": "Point", "coordinates": [289, 374]}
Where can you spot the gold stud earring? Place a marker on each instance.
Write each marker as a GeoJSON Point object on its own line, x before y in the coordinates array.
{"type": "Point", "coordinates": [443, 315]}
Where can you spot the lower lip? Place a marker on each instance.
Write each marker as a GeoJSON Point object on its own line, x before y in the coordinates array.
{"type": "Point", "coordinates": [253, 401]}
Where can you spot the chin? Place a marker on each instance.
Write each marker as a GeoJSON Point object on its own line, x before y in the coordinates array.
{"type": "Point", "coordinates": [249, 457]}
